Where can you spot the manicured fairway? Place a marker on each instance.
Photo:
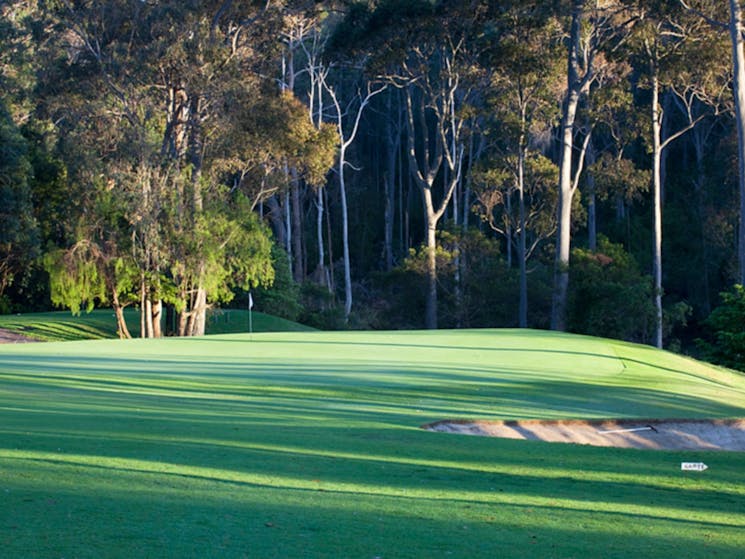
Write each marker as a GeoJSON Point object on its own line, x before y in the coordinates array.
{"type": "Point", "coordinates": [307, 445]}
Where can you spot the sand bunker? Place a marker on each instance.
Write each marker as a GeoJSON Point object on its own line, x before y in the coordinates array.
{"type": "Point", "coordinates": [9, 337]}
{"type": "Point", "coordinates": [677, 434]}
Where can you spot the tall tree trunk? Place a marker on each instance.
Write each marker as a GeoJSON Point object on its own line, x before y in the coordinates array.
{"type": "Point", "coordinates": [522, 250]}
{"type": "Point", "coordinates": [592, 225]}
{"type": "Point", "coordinates": [143, 308]}
{"type": "Point", "coordinates": [699, 144]}
{"type": "Point", "coordinates": [657, 187]}
{"type": "Point", "coordinates": [508, 227]}
{"type": "Point", "coordinates": [330, 270]}
{"type": "Point", "coordinates": [346, 137]}
{"type": "Point", "coordinates": [322, 273]}
{"type": "Point", "coordinates": [345, 235]}
{"type": "Point", "coordinates": [196, 143]}
{"type": "Point", "coordinates": [197, 323]}
{"type": "Point", "coordinates": [276, 217]}
{"type": "Point", "coordinates": [566, 190]}
{"type": "Point", "coordinates": [121, 323]}
{"type": "Point", "coordinates": [298, 269]}
{"type": "Point", "coordinates": [393, 144]}
{"type": "Point", "coordinates": [288, 223]}
{"type": "Point", "coordinates": [321, 265]}
{"type": "Point", "coordinates": [430, 308]}
{"type": "Point", "coordinates": [183, 324]}
{"type": "Point", "coordinates": [738, 63]}
{"type": "Point", "coordinates": [149, 333]}
{"type": "Point", "coordinates": [157, 310]}
{"type": "Point", "coordinates": [424, 176]}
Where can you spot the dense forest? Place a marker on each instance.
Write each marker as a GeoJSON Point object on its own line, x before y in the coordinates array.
{"type": "Point", "coordinates": [384, 164]}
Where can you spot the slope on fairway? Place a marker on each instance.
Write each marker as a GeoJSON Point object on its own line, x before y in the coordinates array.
{"type": "Point", "coordinates": [307, 445]}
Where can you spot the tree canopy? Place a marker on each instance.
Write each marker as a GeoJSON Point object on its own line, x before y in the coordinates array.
{"type": "Point", "coordinates": [392, 163]}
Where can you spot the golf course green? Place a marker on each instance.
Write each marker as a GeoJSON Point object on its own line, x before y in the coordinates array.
{"type": "Point", "coordinates": [308, 444]}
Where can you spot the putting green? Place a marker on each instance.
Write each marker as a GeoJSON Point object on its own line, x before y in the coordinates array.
{"type": "Point", "coordinates": [308, 445]}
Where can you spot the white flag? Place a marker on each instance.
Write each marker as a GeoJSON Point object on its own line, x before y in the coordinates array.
{"type": "Point", "coordinates": [250, 301]}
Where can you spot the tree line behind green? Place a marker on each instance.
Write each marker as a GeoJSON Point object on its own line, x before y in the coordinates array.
{"type": "Point", "coordinates": [173, 156]}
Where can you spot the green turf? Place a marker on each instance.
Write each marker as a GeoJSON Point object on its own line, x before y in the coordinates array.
{"type": "Point", "coordinates": [101, 324]}
{"type": "Point", "coordinates": [307, 445]}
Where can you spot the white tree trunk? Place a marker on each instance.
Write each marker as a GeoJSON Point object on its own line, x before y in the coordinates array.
{"type": "Point", "coordinates": [345, 235]}
{"type": "Point", "coordinates": [521, 247]}
{"type": "Point", "coordinates": [430, 308]}
{"type": "Point", "coordinates": [566, 190]}
{"type": "Point", "coordinates": [657, 186]}
{"type": "Point", "coordinates": [319, 234]}
{"type": "Point", "coordinates": [738, 65]}
{"type": "Point", "coordinates": [346, 137]}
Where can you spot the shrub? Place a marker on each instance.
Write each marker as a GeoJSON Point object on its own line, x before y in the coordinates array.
{"type": "Point", "coordinates": [724, 341]}
{"type": "Point", "coordinates": [609, 296]}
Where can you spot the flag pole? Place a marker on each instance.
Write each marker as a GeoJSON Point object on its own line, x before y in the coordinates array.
{"type": "Point", "coordinates": [250, 314]}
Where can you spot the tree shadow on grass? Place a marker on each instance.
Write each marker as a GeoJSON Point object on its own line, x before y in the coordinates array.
{"type": "Point", "coordinates": [192, 514]}
{"type": "Point", "coordinates": [342, 444]}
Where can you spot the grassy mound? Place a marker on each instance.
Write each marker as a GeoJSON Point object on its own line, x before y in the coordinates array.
{"type": "Point", "coordinates": [308, 445]}
{"type": "Point", "coordinates": [101, 324]}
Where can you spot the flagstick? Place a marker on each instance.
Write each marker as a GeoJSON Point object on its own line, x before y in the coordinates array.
{"type": "Point", "coordinates": [250, 316]}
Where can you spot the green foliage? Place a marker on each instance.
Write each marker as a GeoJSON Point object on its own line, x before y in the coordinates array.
{"type": "Point", "coordinates": [618, 177]}
{"type": "Point", "coordinates": [476, 288]}
{"type": "Point", "coordinates": [609, 296]}
{"type": "Point", "coordinates": [320, 309]}
{"type": "Point", "coordinates": [228, 248]}
{"type": "Point", "coordinates": [75, 278]}
{"type": "Point", "coordinates": [724, 343]}
{"type": "Point", "coordinates": [19, 235]}
{"type": "Point", "coordinates": [132, 126]}
{"type": "Point", "coordinates": [272, 130]}
{"type": "Point", "coordinates": [496, 186]}
{"type": "Point", "coordinates": [282, 297]}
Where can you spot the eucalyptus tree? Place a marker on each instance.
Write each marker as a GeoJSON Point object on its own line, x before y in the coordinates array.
{"type": "Point", "coordinates": [526, 75]}
{"type": "Point", "coordinates": [619, 126]}
{"type": "Point", "coordinates": [428, 51]}
{"type": "Point", "coordinates": [580, 72]}
{"type": "Point", "coordinates": [736, 30]}
{"type": "Point", "coordinates": [590, 24]}
{"type": "Point", "coordinates": [729, 19]}
{"type": "Point", "coordinates": [347, 125]}
{"type": "Point", "coordinates": [681, 57]}
{"type": "Point", "coordinates": [162, 82]}
{"type": "Point", "coordinates": [317, 72]}
{"type": "Point", "coordinates": [433, 97]}
{"type": "Point", "coordinates": [394, 129]}
{"type": "Point", "coordinates": [530, 178]}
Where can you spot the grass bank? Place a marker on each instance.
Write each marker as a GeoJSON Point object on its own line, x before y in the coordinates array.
{"type": "Point", "coordinates": [101, 324]}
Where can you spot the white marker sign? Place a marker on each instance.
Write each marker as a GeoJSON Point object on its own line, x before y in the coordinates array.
{"type": "Point", "coordinates": [693, 466]}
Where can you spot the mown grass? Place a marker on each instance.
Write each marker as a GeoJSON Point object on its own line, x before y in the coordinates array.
{"type": "Point", "coordinates": [308, 445]}
{"type": "Point", "coordinates": [101, 324]}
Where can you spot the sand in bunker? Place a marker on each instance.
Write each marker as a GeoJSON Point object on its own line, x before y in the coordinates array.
{"type": "Point", "coordinates": [677, 434]}
{"type": "Point", "coordinates": [10, 337]}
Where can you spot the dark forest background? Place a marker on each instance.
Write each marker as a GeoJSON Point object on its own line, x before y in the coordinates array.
{"type": "Point", "coordinates": [381, 164]}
